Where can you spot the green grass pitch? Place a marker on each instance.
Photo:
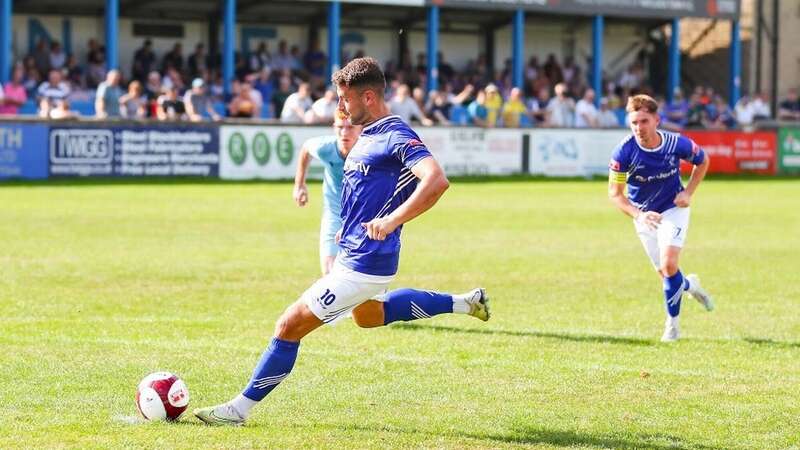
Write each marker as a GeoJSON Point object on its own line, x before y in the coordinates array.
{"type": "Point", "coordinates": [102, 283]}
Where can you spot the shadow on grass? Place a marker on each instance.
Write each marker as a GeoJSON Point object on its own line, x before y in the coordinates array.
{"type": "Point", "coordinates": [542, 436]}
{"type": "Point", "coordinates": [597, 338]}
{"type": "Point", "coordinates": [534, 435]}
{"type": "Point", "coordinates": [771, 342]}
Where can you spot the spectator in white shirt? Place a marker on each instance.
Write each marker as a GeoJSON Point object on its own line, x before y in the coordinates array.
{"type": "Point", "coordinates": [296, 105]}
{"type": "Point", "coordinates": [404, 106]}
{"type": "Point", "coordinates": [57, 56]}
{"type": "Point", "coordinates": [606, 117]}
{"type": "Point", "coordinates": [561, 108]}
{"type": "Point", "coordinates": [744, 111]}
{"type": "Point", "coordinates": [585, 111]}
{"type": "Point", "coordinates": [52, 90]}
{"type": "Point", "coordinates": [760, 105]}
{"type": "Point", "coordinates": [323, 109]}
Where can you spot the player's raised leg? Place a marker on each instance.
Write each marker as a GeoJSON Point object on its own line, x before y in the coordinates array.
{"type": "Point", "coordinates": [695, 289]}
{"type": "Point", "coordinates": [412, 304]}
{"type": "Point", "coordinates": [274, 366]}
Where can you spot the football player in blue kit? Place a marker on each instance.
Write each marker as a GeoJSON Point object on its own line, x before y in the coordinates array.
{"type": "Point", "coordinates": [390, 178]}
{"type": "Point", "coordinates": [648, 163]}
{"type": "Point", "coordinates": [331, 151]}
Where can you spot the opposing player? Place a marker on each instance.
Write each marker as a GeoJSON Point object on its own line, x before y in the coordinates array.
{"type": "Point", "coordinates": [648, 162]}
{"type": "Point", "coordinates": [390, 178]}
{"type": "Point", "coordinates": [332, 152]}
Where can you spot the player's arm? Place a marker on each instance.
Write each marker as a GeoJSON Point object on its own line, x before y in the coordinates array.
{"type": "Point", "coordinates": [432, 185]}
{"type": "Point", "coordinates": [616, 193]}
{"type": "Point", "coordinates": [300, 191]}
{"type": "Point", "coordinates": [684, 198]}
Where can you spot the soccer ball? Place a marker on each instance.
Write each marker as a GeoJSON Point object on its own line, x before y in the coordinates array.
{"type": "Point", "coordinates": [162, 396]}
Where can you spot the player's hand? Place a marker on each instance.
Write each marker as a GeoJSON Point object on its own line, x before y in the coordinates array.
{"type": "Point", "coordinates": [650, 219]}
{"type": "Point", "coordinates": [683, 199]}
{"type": "Point", "coordinates": [301, 194]}
{"type": "Point", "coordinates": [338, 236]}
{"type": "Point", "coordinates": [378, 229]}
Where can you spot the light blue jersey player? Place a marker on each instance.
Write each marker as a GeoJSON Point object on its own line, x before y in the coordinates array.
{"type": "Point", "coordinates": [390, 178]}
{"type": "Point", "coordinates": [648, 163]}
{"type": "Point", "coordinates": [332, 152]}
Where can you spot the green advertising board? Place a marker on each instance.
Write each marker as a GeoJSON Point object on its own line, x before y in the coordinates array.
{"type": "Point", "coordinates": [789, 150]}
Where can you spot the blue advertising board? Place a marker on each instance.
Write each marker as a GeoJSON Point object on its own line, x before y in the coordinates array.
{"type": "Point", "coordinates": [23, 150]}
{"type": "Point", "coordinates": [134, 150]}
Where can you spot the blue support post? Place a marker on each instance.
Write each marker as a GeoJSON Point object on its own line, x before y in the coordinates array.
{"type": "Point", "coordinates": [433, 48]}
{"type": "Point", "coordinates": [334, 32]}
{"type": "Point", "coordinates": [112, 40]}
{"type": "Point", "coordinates": [517, 57]}
{"type": "Point", "coordinates": [5, 40]}
{"type": "Point", "coordinates": [228, 25]}
{"type": "Point", "coordinates": [597, 58]}
{"type": "Point", "coordinates": [736, 64]}
{"type": "Point", "coordinates": [674, 74]}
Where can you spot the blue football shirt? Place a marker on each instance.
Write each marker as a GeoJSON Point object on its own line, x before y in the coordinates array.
{"type": "Point", "coordinates": [653, 175]}
{"type": "Point", "coordinates": [377, 179]}
{"type": "Point", "coordinates": [325, 149]}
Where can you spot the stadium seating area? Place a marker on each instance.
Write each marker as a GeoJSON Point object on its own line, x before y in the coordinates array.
{"type": "Point", "coordinates": [555, 93]}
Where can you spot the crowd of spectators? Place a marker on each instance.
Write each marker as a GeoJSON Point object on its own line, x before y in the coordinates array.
{"type": "Point", "coordinates": [289, 86]}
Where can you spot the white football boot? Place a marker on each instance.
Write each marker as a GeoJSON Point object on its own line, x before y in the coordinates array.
{"type": "Point", "coordinates": [671, 331]}
{"type": "Point", "coordinates": [478, 302]}
{"type": "Point", "coordinates": [224, 414]}
{"type": "Point", "coordinates": [698, 293]}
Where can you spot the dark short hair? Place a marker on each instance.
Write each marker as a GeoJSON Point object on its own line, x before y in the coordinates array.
{"type": "Point", "coordinates": [642, 103]}
{"type": "Point", "coordinates": [361, 73]}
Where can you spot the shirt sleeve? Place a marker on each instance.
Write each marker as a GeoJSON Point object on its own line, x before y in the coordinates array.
{"type": "Point", "coordinates": [319, 147]}
{"type": "Point", "coordinates": [408, 147]}
{"type": "Point", "coordinates": [688, 150]}
{"type": "Point", "coordinates": [619, 165]}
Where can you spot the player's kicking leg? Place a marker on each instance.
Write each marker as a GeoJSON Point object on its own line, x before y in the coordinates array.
{"type": "Point", "coordinates": [412, 304]}
{"type": "Point", "coordinates": [275, 365]}
{"type": "Point", "coordinates": [327, 300]}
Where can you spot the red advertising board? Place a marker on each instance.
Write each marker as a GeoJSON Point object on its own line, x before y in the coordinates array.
{"type": "Point", "coordinates": [737, 151]}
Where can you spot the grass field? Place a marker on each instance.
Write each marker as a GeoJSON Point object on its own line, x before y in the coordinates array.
{"type": "Point", "coordinates": [101, 284]}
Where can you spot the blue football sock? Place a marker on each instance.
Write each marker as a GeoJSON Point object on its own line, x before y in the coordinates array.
{"type": "Point", "coordinates": [275, 365]}
{"type": "Point", "coordinates": [673, 291]}
{"type": "Point", "coordinates": [411, 304]}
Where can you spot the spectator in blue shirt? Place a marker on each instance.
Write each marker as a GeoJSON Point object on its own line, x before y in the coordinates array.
{"type": "Point", "coordinates": [478, 114]}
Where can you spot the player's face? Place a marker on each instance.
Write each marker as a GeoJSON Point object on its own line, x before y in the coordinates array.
{"type": "Point", "coordinates": [352, 102]}
{"type": "Point", "coordinates": [346, 134]}
{"type": "Point", "coordinates": [643, 125]}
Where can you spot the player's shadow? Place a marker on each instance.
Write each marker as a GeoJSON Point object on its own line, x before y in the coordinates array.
{"type": "Point", "coordinates": [771, 342]}
{"type": "Point", "coordinates": [592, 338]}
{"type": "Point", "coordinates": [543, 436]}
{"type": "Point", "coordinates": [568, 438]}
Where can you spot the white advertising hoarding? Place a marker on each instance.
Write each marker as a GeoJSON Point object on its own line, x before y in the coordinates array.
{"type": "Point", "coordinates": [264, 152]}
{"type": "Point", "coordinates": [572, 153]}
{"type": "Point", "coordinates": [270, 152]}
{"type": "Point", "coordinates": [474, 151]}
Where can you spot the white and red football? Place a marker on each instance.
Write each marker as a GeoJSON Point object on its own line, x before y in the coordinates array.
{"type": "Point", "coordinates": [162, 396]}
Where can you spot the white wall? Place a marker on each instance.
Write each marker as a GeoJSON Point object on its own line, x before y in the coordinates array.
{"type": "Point", "coordinates": [543, 39]}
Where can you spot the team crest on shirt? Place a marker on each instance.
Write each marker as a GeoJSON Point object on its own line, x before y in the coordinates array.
{"type": "Point", "coordinates": [695, 148]}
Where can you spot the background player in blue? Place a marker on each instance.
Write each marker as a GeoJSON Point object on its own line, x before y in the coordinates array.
{"type": "Point", "coordinates": [331, 151]}
{"type": "Point", "coordinates": [648, 162]}
{"type": "Point", "coordinates": [390, 178]}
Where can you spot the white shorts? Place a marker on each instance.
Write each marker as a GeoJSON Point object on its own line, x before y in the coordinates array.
{"type": "Point", "coordinates": [670, 232]}
{"type": "Point", "coordinates": [334, 296]}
